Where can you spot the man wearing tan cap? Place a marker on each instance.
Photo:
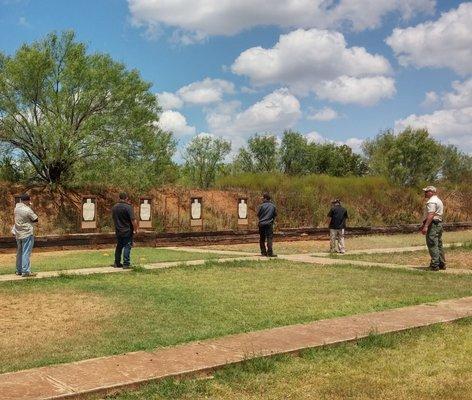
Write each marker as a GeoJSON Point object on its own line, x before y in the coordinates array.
{"type": "Point", "coordinates": [433, 228]}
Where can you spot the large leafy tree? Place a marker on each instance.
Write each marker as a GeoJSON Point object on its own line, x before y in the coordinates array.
{"type": "Point", "coordinates": [62, 109]}
{"type": "Point", "coordinates": [410, 158]}
{"type": "Point", "coordinates": [204, 159]}
{"type": "Point", "coordinates": [260, 155]}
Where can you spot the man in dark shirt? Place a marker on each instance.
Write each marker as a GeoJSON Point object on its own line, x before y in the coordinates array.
{"type": "Point", "coordinates": [266, 214]}
{"type": "Point", "coordinates": [125, 226]}
{"type": "Point", "coordinates": [337, 223]}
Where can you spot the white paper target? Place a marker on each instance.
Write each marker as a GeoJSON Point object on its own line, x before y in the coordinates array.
{"type": "Point", "coordinates": [145, 211]}
{"type": "Point", "coordinates": [242, 209]}
{"type": "Point", "coordinates": [88, 210]}
{"type": "Point", "coordinates": [196, 210]}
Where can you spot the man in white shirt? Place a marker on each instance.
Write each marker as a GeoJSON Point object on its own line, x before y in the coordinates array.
{"type": "Point", "coordinates": [23, 230]}
{"type": "Point", "coordinates": [432, 228]}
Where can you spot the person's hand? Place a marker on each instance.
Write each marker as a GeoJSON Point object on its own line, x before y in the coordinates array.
{"type": "Point", "coordinates": [136, 231]}
{"type": "Point", "coordinates": [424, 230]}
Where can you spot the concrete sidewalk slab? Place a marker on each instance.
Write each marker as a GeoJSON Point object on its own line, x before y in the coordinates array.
{"type": "Point", "coordinates": [108, 374]}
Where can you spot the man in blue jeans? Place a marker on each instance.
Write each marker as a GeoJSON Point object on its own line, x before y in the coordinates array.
{"type": "Point", "coordinates": [125, 226]}
{"type": "Point", "coordinates": [24, 234]}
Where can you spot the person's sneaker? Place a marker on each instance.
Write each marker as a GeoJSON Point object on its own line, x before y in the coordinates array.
{"type": "Point", "coordinates": [271, 255]}
{"type": "Point", "coordinates": [434, 268]}
{"type": "Point", "coordinates": [18, 273]}
{"type": "Point", "coordinates": [28, 274]}
{"type": "Point", "coordinates": [117, 266]}
{"type": "Point", "coordinates": [126, 267]}
{"type": "Point", "coordinates": [263, 254]}
{"type": "Point", "coordinates": [442, 266]}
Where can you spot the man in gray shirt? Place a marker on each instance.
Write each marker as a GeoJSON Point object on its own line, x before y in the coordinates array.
{"type": "Point", "coordinates": [24, 234]}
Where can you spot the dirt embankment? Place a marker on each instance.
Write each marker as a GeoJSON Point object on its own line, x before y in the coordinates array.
{"type": "Point", "coordinates": [60, 212]}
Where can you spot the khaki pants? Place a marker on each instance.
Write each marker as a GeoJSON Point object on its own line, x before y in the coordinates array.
{"type": "Point", "coordinates": [337, 240]}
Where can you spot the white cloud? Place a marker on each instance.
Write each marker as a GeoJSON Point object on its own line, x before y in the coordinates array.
{"type": "Point", "coordinates": [431, 99]}
{"type": "Point", "coordinates": [324, 114]}
{"type": "Point", "coordinates": [363, 91]}
{"type": "Point", "coordinates": [175, 122]}
{"type": "Point", "coordinates": [276, 112]}
{"type": "Point", "coordinates": [196, 19]}
{"type": "Point", "coordinates": [169, 101]}
{"type": "Point", "coordinates": [319, 61]}
{"type": "Point", "coordinates": [453, 122]}
{"type": "Point", "coordinates": [206, 91]}
{"type": "Point", "coordinates": [446, 42]}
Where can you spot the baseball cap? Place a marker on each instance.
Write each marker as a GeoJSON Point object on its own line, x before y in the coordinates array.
{"type": "Point", "coordinates": [25, 197]}
{"type": "Point", "coordinates": [336, 201]}
{"type": "Point", "coordinates": [430, 189]}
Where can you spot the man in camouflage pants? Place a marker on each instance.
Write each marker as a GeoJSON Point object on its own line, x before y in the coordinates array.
{"type": "Point", "coordinates": [432, 228]}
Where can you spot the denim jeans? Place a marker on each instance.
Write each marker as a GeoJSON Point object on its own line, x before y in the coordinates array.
{"type": "Point", "coordinates": [123, 245]}
{"type": "Point", "coordinates": [24, 247]}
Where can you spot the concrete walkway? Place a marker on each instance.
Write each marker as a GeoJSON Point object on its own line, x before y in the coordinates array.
{"type": "Point", "coordinates": [310, 259]}
{"type": "Point", "coordinates": [108, 374]}
{"type": "Point", "coordinates": [110, 270]}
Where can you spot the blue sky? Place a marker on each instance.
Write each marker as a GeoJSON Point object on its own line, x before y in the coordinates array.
{"type": "Point", "coordinates": [339, 70]}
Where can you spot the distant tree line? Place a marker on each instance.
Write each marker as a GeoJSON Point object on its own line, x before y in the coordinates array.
{"type": "Point", "coordinates": [69, 118]}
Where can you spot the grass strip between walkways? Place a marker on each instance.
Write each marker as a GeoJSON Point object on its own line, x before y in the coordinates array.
{"type": "Point", "coordinates": [77, 259]}
{"type": "Point", "coordinates": [79, 317]}
{"type": "Point", "coordinates": [431, 363]}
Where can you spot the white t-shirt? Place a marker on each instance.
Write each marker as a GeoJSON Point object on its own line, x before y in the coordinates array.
{"type": "Point", "coordinates": [434, 205]}
{"type": "Point", "coordinates": [24, 217]}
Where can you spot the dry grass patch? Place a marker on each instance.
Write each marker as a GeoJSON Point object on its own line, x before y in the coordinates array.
{"type": "Point", "coordinates": [35, 322]}
{"type": "Point", "coordinates": [352, 243]}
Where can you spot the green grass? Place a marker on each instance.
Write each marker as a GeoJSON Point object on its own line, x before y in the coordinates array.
{"type": "Point", "coordinates": [432, 363]}
{"type": "Point", "coordinates": [456, 257]}
{"type": "Point", "coordinates": [167, 307]}
{"type": "Point", "coordinates": [56, 261]}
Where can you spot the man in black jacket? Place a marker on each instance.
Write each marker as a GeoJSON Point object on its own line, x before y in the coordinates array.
{"type": "Point", "coordinates": [266, 214]}
{"type": "Point", "coordinates": [337, 217]}
{"type": "Point", "coordinates": [125, 226]}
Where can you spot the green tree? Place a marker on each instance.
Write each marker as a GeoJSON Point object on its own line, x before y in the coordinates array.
{"type": "Point", "coordinates": [410, 158]}
{"type": "Point", "coordinates": [294, 153]}
{"type": "Point", "coordinates": [260, 155]}
{"type": "Point", "coordinates": [457, 166]}
{"type": "Point", "coordinates": [61, 108]}
{"type": "Point", "coordinates": [204, 159]}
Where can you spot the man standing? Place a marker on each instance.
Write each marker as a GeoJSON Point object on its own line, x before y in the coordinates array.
{"type": "Point", "coordinates": [433, 228]}
{"type": "Point", "coordinates": [125, 226]}
{"type": "Point", "coordinates": [23, 230]}
{"type": "Point", "coordinates": [337, 223]}
{"type": "Point", "coordinates": [266, 214]}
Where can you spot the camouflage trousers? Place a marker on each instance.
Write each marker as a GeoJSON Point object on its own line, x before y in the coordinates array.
{"type": "Point", "coordinates": [435, 244]}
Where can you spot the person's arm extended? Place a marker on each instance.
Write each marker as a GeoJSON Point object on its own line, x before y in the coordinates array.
{"type": "Point", "coordinates": [427, 222]}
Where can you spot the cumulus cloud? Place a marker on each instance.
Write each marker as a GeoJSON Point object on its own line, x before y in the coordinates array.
{"type": "Point", "coordinates": [193, 20]}
{"type": "Point", "coordinates": [354, 143]}
{"type": "Point", "coordinates": [175, 122]}
{"type": "Point", "coordinates": [321, 62]}
{"type": "Point", "coordinates": [169, 101]}
{"type": "Point", "coordinates": [451, 123]}
{"type": "Point", "coordinates": [431, 99]}
{"type": "Point", "coordinates": [276, 112]}
{"type": "Point", "coordinates": [206, 91]}
{"type": "Point", "coordinates": [446, 42]}
{"type": "Point", "coordinates": [324, 114]}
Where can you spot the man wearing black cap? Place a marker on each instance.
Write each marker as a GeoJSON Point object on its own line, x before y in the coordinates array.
{"type": "Point", "coordinates": [125, 226]}
{"type": "Point", "coordinates": [337, 223]}
{"type": "Point", "coordinates": [23, 231]}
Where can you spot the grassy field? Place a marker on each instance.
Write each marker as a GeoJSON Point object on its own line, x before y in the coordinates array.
{"type": "Point", "coordinates": [456, 257]}
{"type": "Point", "coordinates": [77, 317]}
{"type": "Point", "coordinates": [352, 243]}
{"type": "Point", "coordinates": [431, 363]}
{"type": "Point", "coordinates": [75, 259]}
